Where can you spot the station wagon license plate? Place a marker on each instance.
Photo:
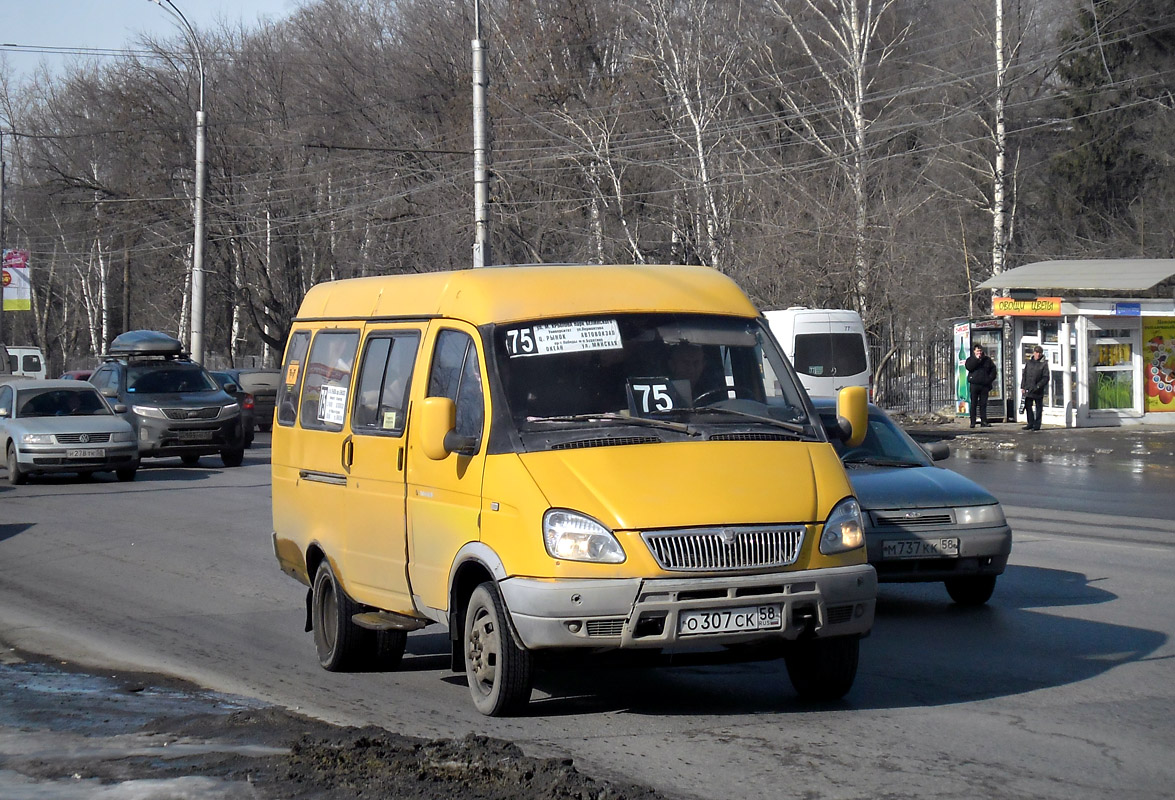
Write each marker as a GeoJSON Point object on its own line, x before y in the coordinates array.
{"type": "Point", "coordinates": [93, 452]}
{"type": "Point", "coordinates": [194, 436]}
{"type": "Point", "coordinates": [920, 548]}
{"type": "Point", "coordinates": [730, 620]}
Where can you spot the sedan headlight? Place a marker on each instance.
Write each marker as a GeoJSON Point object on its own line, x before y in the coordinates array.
{"type": "Point", "coordinates": [981, 515]}
{"type": "Point", "coordinates": [230, 409]}
{"type": "Point", "coordinates": [575, 537]}
{"type": "Point", "coordinates": [37, 438]}
{"type": "Point", "coordinates": [149, 411]}
{"type": "Point", "coordinates": [844, 530]}
{"type": "Point", "coordinates": [122, 436]}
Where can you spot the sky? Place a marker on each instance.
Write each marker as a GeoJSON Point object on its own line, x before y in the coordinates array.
{"type": "Point", "coordinates": [111, 25]}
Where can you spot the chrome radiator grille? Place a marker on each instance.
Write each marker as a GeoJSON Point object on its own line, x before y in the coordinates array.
{"type": "Point", "coordinates": [717, 549]}
{"type": "Point", "coordinates": [208, 412]}
{"type": "Point", "coordinates": [82, 438]}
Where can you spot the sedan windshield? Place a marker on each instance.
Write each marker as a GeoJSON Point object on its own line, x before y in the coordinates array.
{"type": "Point", "coordinates": [60, 403]}
{"type": "Point", "coordinates": [173, 378]}
{"type": "Point", "coordinates": [885, 444]}
{"type": "Point", "coordinates": [679, 371]}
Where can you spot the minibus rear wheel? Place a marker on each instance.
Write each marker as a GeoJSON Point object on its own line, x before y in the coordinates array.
{"type": "Point", "coordinates": [499, 671]}
{"type": "Point", "coordinates": [822, 670]}
{"type": "Point", "coordinates": [340, 643]}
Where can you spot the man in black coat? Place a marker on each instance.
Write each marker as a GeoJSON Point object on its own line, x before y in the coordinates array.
{"type": "Point", "coordinates": [1033, 384]}
{"type": "Point", "coordinates": [981, 375]}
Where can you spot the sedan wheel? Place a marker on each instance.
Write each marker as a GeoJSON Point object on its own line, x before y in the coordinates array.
{"type": "Point", "coordinates": [499, 672]}
{"type": "Point", "coordinates": [127, 474]}
{"type": "Point", "coordinates": [232, 458]}
{"type": "Point", "coordinates": [974, 590]}
{"type": "Point", "coordinates": [190, 460]}
{"type": "Point", "coordinates": [15, 476]}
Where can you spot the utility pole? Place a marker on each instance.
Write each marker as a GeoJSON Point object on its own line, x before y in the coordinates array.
{"type": "Point", "coordinates": [197, 342]}
{"type": "Point", "coordinates": [481, 222]}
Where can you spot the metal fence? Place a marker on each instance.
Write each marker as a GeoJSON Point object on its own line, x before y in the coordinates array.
{"type": "Point", "coordinates": [916, 377]}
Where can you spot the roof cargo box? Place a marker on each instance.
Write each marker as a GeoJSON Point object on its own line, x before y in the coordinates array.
{"type": "Point", "coordinates": [145, 343]}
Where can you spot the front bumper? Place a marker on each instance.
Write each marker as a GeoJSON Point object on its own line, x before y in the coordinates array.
{"type": "Point", "coordinates": [634, 613]}
{"type": "Point", "coordinates": [35, 458]}
{"type": "Point", "coordinates": [163, 437]}
{"type": "Point", "coordinates": [982, 551]}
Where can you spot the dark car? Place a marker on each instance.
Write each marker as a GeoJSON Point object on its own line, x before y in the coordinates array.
{"type": "Point", "coordinates": [230, 385]}
{"type": "Point", "coordinates": [263, 385]}
{"type": "Point", "coordinates": [922, 522]}
{"type": "Point", "coordinates": [175, 406]}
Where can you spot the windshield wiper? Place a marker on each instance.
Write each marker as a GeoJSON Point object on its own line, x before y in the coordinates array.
{"type": "Point", "coordinates": [799, 430]}
{"type": "Point", "coordinates": [880, 461]}
{"type": "Point", "coordinates": [611, 416]}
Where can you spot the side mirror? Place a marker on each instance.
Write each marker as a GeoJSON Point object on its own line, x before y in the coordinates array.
{"type": "Point", "coordinates": [231, 388]}
{"type": "Point", "coordinates": [109, 391]}
{"type": "Point", "coordinates": [937, 450]}
{"type": "Point", "coordinates": [3, 413]}
{"type": "Point", "coordinates": [119, 408]}
{"type": "Point", "coordinates": [852, 410]}
{"type": "Point", "coordinates": [437, 419]}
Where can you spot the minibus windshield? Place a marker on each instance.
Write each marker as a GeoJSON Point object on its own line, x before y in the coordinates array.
{"type": "Point", "coordinates": [629, 368]}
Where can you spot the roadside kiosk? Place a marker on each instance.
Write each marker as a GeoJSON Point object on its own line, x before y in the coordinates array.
{"type": "Point", "coordinates": [1107, 327]}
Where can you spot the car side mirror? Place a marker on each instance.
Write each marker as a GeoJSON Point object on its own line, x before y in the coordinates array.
{"type": "Point", "coordinates": [3, 413]}
{"type": "Point", "coordinates": [937, 450]}
{"type": "Point", "coordinates": [119, 408]}
{"type": "Point", "coordinates": [231, 388]}
{"type": "Point", "coordinates": [109, 391]}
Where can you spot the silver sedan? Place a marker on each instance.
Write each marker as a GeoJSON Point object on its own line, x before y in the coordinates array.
{"type": "Point", "coordinates": [63, 426]}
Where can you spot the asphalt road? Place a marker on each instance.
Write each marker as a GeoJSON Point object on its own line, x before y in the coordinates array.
{"type": "Point", "coordinates": [1062, 687]}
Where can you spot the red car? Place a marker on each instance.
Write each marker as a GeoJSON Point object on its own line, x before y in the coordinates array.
{"type": "Point", "coordinates": [77, 375]}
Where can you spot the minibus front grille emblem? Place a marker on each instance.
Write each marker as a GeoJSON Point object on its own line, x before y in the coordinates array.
{"type": "Point", "coordinates": [725, 549]}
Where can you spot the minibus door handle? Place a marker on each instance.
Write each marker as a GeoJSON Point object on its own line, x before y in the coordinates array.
{"type": "Point", "coordinates": [348, 454]}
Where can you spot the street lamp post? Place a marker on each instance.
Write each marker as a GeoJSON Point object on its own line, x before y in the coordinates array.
{"type": "Point", "coordinates": [197, 341]}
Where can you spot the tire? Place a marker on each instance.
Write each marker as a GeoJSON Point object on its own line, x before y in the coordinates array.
{"type": "Point", "coordinates": [190, 460]}
{"type": "Point", "coordinates": [974, 590]}
{"type": "Point", "coordinates": [499, 672]}
{"type": "Point", "coordinates": [266, 427]}
{"type": "Point", "coordinates": [232, 458]}
{"type": "Point", "coordinates": [387, 649]}
{"type": "Point", "coordinates": [341, 644]}
{"type": "Point", "coordinates": [127, 474]}
{"type": "Point", "coordinates": [15, 476]}
{"type": "Point", "coordinates": [822, 670]}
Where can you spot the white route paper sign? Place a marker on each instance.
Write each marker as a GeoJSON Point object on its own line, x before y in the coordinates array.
{"type": "Point", "coordinates": [332, 404]}
{"type": "Point", "coordinates": [574, 337]}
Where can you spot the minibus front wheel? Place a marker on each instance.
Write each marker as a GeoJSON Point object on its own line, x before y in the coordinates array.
{"type": "Point", "coordinates": [822, 670]}
{"type": "Point", "coordinates": [499, 671]}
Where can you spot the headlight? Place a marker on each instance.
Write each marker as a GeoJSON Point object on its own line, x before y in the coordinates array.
{"type": "Point", "coordinates": [981, 515]}
{"type": "Point", "coordinates": [575, 537]}
{"type": "Point", "coordinates": [122, 436]}
{"type": "Point", "coordinates": [230, 409]}
{"type": "Point", "coordinates": [37, 438]}
{"type": "Point", "coordinates": [149, 411]}
{"type": "Point", "coordinates": [844, 530]}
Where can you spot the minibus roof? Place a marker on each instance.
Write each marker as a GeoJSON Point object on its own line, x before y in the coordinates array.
{"type": "Point", "coordinates": [506, 294]}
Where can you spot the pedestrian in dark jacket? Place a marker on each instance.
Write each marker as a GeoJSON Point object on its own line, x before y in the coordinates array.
{"type": "Point", "coordinates": [981, 375]}
{"type": "Point", "coordinates": [1033, 384]}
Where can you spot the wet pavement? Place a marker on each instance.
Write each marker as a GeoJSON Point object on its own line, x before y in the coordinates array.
{"type": "Point", "coordinates": [1089, 445]}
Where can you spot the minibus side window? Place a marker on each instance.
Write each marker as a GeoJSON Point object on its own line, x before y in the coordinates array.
{"type": "Point", "coordinates": [455, 375]}
{"type": "Point", "coordinates": [292, 372]}
{"type": "Point", "coordinates": [328, 380]}
{"type": "Point", "coordinates": [384, 381]}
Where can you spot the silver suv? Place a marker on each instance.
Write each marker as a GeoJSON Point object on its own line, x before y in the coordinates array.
{"type": "Point", "coordinates": [175, 406]}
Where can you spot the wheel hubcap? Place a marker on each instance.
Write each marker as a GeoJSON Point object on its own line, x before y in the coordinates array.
{"type": "Point", "coordinates": [483, 650]}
